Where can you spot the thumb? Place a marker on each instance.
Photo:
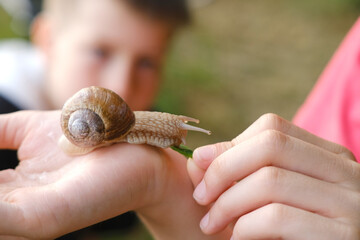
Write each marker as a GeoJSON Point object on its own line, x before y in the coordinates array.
{"type": "Point", "coordinates": [203, 156]}
{"type": "Point", "coordinates": [13, 129]}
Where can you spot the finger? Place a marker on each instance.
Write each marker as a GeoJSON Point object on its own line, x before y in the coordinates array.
{"type": "Point", "coordinates": [15, 127]}
{"type": "Point", "coordinates": [275, 185]}
{"type": "Point", "coordinates": [203, 156]}
{"type": "Point", "coordinates": [12, 129]}
{"type": "Point", "coordinates": [195, 173]}
{"type": "Point", "coordinates": [272, 148]}
{"type": "Point", "coordinates": [278, 221]}
{"type": "Point", "coordinates": [7, 175]}
{"type": "Point", "coordinates": [272, 121]}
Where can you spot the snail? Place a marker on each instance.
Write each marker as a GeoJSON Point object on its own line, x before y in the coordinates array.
{"type": "Point", "coordinates": [95, 117]}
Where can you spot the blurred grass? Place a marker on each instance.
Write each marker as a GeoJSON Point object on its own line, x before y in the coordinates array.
{"type": "Point", "coordinates": [241, 59]}
{"type": "Point", "coordinates": [5, 30]}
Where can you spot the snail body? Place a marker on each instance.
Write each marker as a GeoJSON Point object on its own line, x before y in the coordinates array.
{"type": "Point", "coordinates": [96, 117]}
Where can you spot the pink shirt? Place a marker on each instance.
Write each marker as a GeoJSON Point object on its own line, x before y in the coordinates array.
{"type": "Point", "coordinates": [332, 110]}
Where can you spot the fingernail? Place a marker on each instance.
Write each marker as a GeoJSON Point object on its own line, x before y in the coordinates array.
{"type": "Point", "coordinates": [204, 221]}
{"type": "Point", "coordinates": [200, 191]}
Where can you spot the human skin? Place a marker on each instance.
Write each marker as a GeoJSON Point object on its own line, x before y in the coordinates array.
{"type": "Point", "coordinates": [102, 43]}
{"type": "Point", "coordinates": [281, 194]}
{"type": "Point", "coordinates": [50, 194]}
{"type": "Point", "coordinates": [277, 181]}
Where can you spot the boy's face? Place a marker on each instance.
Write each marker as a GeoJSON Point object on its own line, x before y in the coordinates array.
{"type": "Point", "coordinates": [107, 44]}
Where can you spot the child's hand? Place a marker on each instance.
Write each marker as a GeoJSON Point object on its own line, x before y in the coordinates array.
{"type": "Point", "coordinates": [277, 181]}
{"type": "Point", "coordinates": [50, 193]}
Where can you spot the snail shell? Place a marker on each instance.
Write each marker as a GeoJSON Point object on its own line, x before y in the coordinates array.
{"type": "Point", "coordinates": [95, 117]}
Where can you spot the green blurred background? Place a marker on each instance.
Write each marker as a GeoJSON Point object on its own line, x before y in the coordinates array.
{"type": "Point", "coordinates": [241, 59]}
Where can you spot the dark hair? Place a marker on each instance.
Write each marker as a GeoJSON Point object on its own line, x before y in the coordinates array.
{"type": "Point", "coordinates": [176, 12]}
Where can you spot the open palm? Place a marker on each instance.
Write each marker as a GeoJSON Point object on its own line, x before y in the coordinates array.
{"type": "Point", "coordinates": [50, 193]}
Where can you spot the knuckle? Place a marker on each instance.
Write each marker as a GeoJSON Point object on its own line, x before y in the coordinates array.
{"type": "Point", "coordinates": [272, 121]}
{"type": "Point", "coordinates": [221, 147]}
{"type": "Point", "coordinates": [273, 140]}
{"type": "Point", "coordinates": [272, 215]}
{"type": "Point", "coordinates": [219, 167]}
{"type": "Point", "coordinates": [353, 175]}
{"type": "Point", "coordinates": [217, 172]}
{"type": "Point", "coordinates": [240, 228]}
{"type": "Point", "coordinates": [276, 213]}
{"type": "Point", "coordinates": [348, 154]}
{"type": "Point", "coordinates": [345, 152]}
{"type": "Point", "coordinates": [221, 209]}
{"type": "Point", "coordinates": [271, 176]}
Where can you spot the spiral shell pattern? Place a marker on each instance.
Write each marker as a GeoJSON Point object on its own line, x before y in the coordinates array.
{"type": "Point", "coordinates": [95, 116]}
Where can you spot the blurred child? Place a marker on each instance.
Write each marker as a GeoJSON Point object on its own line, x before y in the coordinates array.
{"type": "Point", "coordinates": [116, 44]}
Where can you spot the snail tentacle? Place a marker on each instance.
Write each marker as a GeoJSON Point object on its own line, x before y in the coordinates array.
{"type": "Point", "coordinates": [185, 126]}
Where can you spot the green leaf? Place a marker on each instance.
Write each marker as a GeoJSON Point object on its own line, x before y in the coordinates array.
{"type": "Point", "coordinates": [184, 150]}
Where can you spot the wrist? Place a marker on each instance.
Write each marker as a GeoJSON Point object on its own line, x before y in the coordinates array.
{"type": "Point", "coordinates": [172, 213]}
